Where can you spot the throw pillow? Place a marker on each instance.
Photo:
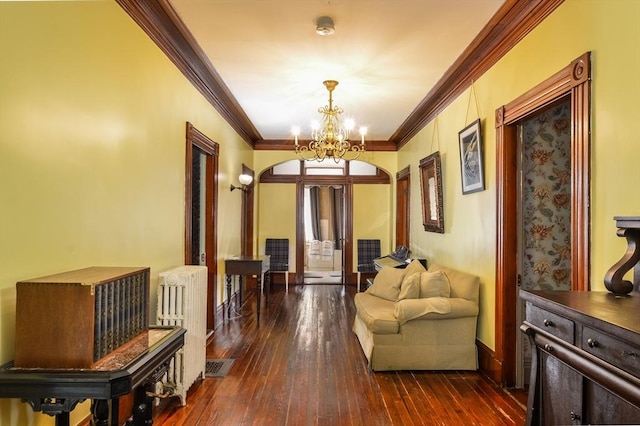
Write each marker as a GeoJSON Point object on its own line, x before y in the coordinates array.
{"type": "Point", "coordinates": [415, 267]}
{"type": "Point", "coordinates": [434, 284]}
{"type": "Point", "coordinates": [410, 287]}
{"type": "Point", "coordinates": [386, 283]}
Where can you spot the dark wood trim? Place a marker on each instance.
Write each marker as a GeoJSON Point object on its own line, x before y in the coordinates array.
{"type": "Point", "coordinates": [403, 207]}
{"type": "Point", "coordinates": [247, 212]}
{"type": "Point", "coordinates": [162, 24]}
{"type": "Point", "coordinates": [572, 81]}
{"type": "Point", "coordinates": [487, 362]}
{"type": "Point", "coordinates": [300, 240]}
{"type": "Point", "coordinates": [349, 275]}
{"type": "Point", "coordinates": [512, 22]}
{"type": "Point", "coordinates": [196, 138]}
{"type": "Point", "coordinates": [381, 177]}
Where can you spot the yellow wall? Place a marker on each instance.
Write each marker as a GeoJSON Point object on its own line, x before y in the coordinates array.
{"type": "Point", "coordinates": [92, 148]}
{"type": "Point", "coordinates": [610, 30]}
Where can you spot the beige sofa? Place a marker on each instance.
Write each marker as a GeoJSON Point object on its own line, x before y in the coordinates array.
{"type": "Point", "coordinates": [413, 319]}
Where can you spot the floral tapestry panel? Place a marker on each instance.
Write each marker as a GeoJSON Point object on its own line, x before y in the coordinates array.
{"type": "Point", "coordinates": [546, 200]}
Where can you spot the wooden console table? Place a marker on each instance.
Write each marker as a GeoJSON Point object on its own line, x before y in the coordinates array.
{"type": "Point", "coordinates": [248, 265]}
{"type": "Point", "coordinates": [141, 361]}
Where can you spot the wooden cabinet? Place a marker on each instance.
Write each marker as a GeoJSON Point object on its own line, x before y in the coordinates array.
{"type": "Point", "coordinates": [75, 318]}
{"type": "Point", "coordinates": [586, 357]}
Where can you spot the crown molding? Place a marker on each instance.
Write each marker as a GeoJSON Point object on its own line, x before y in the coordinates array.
{"type": "Point", "coordinates": [510, 24]}
{"type": "Point", "coordinates": [159, 20]}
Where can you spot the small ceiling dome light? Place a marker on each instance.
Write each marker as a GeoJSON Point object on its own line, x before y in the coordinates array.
{"type": "Point", "coordinates": [324, 26]}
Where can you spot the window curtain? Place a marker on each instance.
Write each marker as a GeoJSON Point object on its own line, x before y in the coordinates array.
{"type": "Point", "coordinates": [314, 198]}
{"type": "Point", "coordinates": [337, 212]}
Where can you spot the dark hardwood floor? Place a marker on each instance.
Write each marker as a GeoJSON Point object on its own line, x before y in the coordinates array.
{"type": "Point", "coordinates": [302, 365]}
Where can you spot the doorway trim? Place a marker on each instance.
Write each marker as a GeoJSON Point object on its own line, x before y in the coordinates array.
{"type": "Point", "coordinates": [198, 139]}
{"type": "Point", "coordinates": [573, 81]}
{"type": "Point", "coordinates": [403, 207]}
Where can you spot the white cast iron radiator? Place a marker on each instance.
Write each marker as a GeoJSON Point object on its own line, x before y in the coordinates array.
{"type": "Point", "coordinates": [182, 300]}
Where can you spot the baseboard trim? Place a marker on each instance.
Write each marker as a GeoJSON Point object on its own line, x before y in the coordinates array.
{"type": "Point", "coordinates": [488, 364]}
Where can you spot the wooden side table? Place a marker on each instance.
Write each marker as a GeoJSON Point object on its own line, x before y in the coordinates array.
{"type": "Point", "coordinates": [248, 265]}
{"type": "Point", "coordinates": [139, 362]}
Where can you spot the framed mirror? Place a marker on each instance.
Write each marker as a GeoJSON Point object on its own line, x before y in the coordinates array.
{"type": "Point", "coordinates": [431, 186]}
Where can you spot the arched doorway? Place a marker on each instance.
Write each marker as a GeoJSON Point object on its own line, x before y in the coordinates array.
{"type": "Point", "coordinates": [345, 174]}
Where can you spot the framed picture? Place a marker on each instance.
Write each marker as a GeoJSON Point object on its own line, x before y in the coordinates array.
{"type": "Point", "coordinates": [471, 163]}
{"type": "Point", "coordinates": [431, 186]}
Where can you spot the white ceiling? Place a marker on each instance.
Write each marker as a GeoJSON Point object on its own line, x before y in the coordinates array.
{"type": "Point", "coordinates": [386, 54]}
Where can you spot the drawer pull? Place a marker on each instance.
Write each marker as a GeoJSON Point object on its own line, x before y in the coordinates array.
{"type": "Point", "coordinates": [548, 348]}
{"type": "Point", "coordinates": [629, 354]}
{"type": "Point", "coordinates": [547, 323]}
{"type": "Point", "coordinates": [593, 343]}
{"type": "Point", "coordinates": [574, 416]}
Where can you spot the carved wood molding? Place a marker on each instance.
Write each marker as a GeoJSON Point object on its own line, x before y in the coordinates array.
{"type": "Point", "coordinates": [404, 173]}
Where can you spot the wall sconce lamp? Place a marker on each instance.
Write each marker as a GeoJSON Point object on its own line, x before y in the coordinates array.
{"type": "Point", "coordinates": [244, 181]}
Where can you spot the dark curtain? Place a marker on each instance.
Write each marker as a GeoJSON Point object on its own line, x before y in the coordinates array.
{"type": "Point", "coordinates": [314, 195]}
{"type": "Point", "coordinates": [337, 210]}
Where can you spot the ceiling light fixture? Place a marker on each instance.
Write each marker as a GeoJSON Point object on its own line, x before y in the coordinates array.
{"type": "Point", "coordinates": [331, 140]}
{"type": "Point", "coordinates": [324, 26]}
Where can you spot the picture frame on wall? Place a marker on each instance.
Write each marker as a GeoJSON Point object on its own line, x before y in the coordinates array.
{"type": "Point", "coordinates": [471, 158]}
{"type": "Point", "coordinates": [431, 187]}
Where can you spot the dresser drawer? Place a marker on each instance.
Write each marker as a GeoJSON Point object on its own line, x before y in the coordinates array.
{"type": "Point", "coordinates": [553, 324]}
{"type": "Point", "coordinates": [612, 350]}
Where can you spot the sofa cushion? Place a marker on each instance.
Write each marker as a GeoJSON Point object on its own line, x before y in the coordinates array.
{"type": "Point", "coordinates": [410, 287]}
{"type": "Point", "coordinates": [463, 285]}
{"type": "Point", "coordinates": [376, 313]}
{"type": "Point", "coordinates": [434, 284]}
{"type": "Point", "coordinates": [406, 310]}
{"type": "Point", "coordinates": [387, 282]}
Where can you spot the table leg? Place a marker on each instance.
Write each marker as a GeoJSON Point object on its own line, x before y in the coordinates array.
{"type": "Point", "coordinates": [267, 279]}
{"type": "Point", "coordinates": [228, 297]}
{"type": "Point", "coordinates": [62, 419]}
{"type": "Point", "coordinates": [100, 412]}
{"type": "Point", "coordinates": [258, 291]}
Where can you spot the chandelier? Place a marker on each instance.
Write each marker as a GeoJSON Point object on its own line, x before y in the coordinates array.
{"type": "Point", "coordinates": [330, 138]}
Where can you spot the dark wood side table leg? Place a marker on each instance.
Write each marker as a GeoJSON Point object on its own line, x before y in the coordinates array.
{"type": "Point", "coordinates": [100, 412]}
{"type": "Point", "coordinates": [258, 294]}
{"type": "Point", "coordinates": [267, 279]}
{"type": "Point", "coordinates": [62, 419]}
{"type": "Point", "coordinates": [228, 297]}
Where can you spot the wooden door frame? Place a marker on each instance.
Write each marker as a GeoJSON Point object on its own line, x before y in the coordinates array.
{"type": "Point", "coordinates": [198, 139]}
{"type": "Point", "coordinates": [574, 82]}
{"type": "Point", "coordinates": [403, 207]}
{"type": "Point", "coordinates": [247, 212]}
{"type": "Point", "coordinates": [347, 244]}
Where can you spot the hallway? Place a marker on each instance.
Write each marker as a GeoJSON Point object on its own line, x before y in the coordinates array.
{"type": "Point", "coordinates": [302, 365]}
